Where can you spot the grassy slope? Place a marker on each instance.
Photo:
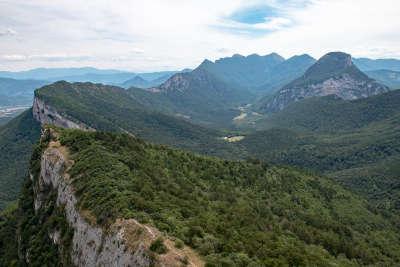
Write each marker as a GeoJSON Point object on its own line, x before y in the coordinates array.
{"type": "Point", "coordinates": [233, 212]}
{"type": "Point", "coordinates": [16, 141]}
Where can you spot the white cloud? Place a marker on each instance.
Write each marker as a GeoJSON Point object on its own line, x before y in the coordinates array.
{"type": "Point", "coordinates": [152, 34]}
{"type": "Point", "coordinates": [7, 32]}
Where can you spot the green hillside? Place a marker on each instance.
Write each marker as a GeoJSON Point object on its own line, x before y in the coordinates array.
{"type": "Point", "coordinates": [332, 114]}
{"type": "Point", "coordinates": [108, 108]}
{"type": "Point", "coordinates": [200, 96]}
{"type": "Point", "coordinates": [232, 213]}
{"type": "Point", "coordinates": [16, 140]}
{"type": "Point", "coordinates": [355, 142]}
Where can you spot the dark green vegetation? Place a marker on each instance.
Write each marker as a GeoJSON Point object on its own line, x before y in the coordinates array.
{"type": "Point", "coordinates": [24, 231]}
{"type": "Point", "coordinates": [356, 142]}
{"type": "Point", "coordinates": [199, 96]}
{"type": "Point", "coordinates": [232, 213]}
{"type": "Point", "coordinates": [4, 120]}
{"type": "Point", "coordinates": [211, 94]}
{"type": "Point", "coordinates": [158, 246]}
{"type": "Point", "coordinates": [108, 108]}
{"type": "Point", "coordinates": [8, 231]}
{"type": "Point", "coordinates": [16, 140]}
{"type": "Point", "coordinates": [18, 92]}
{"type": "Point", "coordinates": [332, 114]}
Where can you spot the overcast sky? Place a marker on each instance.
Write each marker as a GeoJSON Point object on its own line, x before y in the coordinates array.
{"type": "Point", "coordinates": [147, 35]}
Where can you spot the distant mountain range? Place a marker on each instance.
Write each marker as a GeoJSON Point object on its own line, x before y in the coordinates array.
{"type": "Point", "coordinates": [86, 74]}
{"type": "Point", "coordinates": [367, 64]}
{"type": "Point", "coordinates": [18, 92]}
{"type": "Point", "coordinates": [332, 74]}
{"type": "Point", "coordinates": [387, 77]}
{"type": "Point", "coordinates": [146, 80]}
{"type": "Point", "coordinates": [260, 75]}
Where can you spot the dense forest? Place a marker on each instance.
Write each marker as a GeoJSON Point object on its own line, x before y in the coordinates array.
{"type": "Point", "coordinates": [355, 142]}
{"type": "Point", "coordinates": [16, 143]}
{"type": "Point", "coordinates": [234, 213]}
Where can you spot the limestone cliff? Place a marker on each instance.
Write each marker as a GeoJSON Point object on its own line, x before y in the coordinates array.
{"type": "Point", "coordinates": [124, 243]}
{"type": "Point", "coordinates": [46, 114]}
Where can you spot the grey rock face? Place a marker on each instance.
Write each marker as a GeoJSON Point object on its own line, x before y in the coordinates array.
{"type": "Point", "coordinates": [333, 74]}
{"type": "Point", "coordinates": [344, 87]}
{"type": "Point", "coordinates": [91, 245]}
{"type": "Point", "coordinates": [46, 114]}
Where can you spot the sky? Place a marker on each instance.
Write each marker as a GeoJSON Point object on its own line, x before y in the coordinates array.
{"type": "Point", "coordinates": [153, 35]}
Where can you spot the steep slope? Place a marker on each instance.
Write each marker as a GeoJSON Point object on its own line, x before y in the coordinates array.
{"type": "Point", "coordinates": [146, 80]}
{"type": "Point", "coordinates": [285, 72]}
{"type": "Point", "coordinates": [333, 74]}
{"type": "Point", "coordinates": [198, 95]}
{"type": "Point", "coordinates": [387, 77]}
{"type": "Point", "coordinates": [231, 213]}
{"type": "Point", "coordinates": [213, 92]}
{"type": "Point", "coordinates": [138, 82]}
{"type": "Point", "coordinates": [108, 108]}
{"type": "Point", "coordinates": [16, 141]}
{"type": "Point", "coordinates": [247, 72]}
{"type": "Point", "coordinates": [93, 107]}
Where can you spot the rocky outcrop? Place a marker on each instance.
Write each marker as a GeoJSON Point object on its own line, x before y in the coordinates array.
{"type": "Point", "coordinates": [333, 74]}
{"type": "Point", "coordinates": [124, 243]}
{"type": "Point", "coordinates": [46, 114]}
{"type": "Point", "coordinates": [92, 246]}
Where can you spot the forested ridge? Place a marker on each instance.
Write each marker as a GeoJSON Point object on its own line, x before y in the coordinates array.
{"type": "Point", "coordinates": [234, 213]}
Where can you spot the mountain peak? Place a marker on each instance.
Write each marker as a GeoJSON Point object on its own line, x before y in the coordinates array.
{"type": "Point", "coordinates": [275, 55]}
{"type": "Point", "coordinates": [205, 64]}
{"type": "Point", "coordinates": [237, 56]}
{"type": "Point", "coordinates": [338, 59]}
{"type": "Point", "coordinates": [332, 74]}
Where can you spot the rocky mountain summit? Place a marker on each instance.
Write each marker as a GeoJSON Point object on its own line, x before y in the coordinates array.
{"type": "Point", "coordinates": [333, 74]}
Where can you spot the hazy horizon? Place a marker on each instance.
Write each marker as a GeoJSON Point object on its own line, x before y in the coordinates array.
{"type": "Point", "coordinates": [156, 35]}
